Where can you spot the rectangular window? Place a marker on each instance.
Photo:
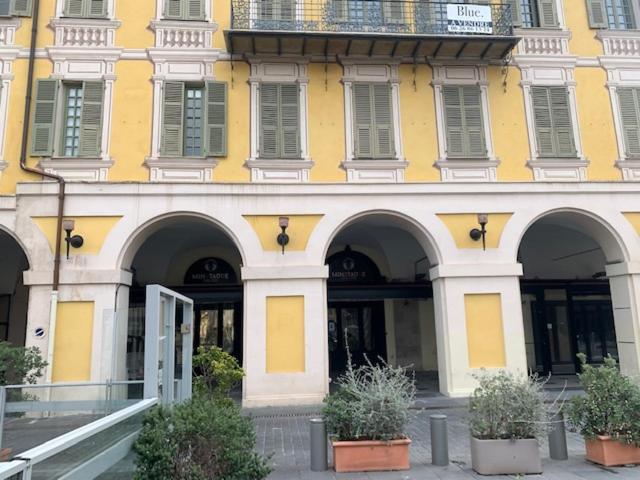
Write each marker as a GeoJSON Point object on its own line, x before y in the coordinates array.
{"type": "Point", "coordinates": [553, 124]}
{"type": "Point", "coordinates": [184, 9]}
{"type": "Point", "coordinates": [4, 8]}
{"type": "Point", "coordinates": [529, 13]}
{"type": "Point", "coordinates": [373, 121]}
{"type": "Point", "coordinates": [76, 131]}
{"type": "Point", "coordinates": [620, 14]}
{"type": "Point", "coordinates": [629, 100]}
{"type": "Point", "coordinates": [533, 13]}
{"type": "Point", "coordinates": [85, 8]}
{"type": "Point", "coordinates": [16, 8]}
{"type": "Point", "coordinates": [280, 120]}
{"type": "Point", "coordinates": [464, 122]}
{"type": "Point", "coordinates": [194, 119]}
{"type": "Point", "coordinates": [277, 10]}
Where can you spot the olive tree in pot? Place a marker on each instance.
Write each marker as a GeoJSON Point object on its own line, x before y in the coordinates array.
{"type": "Point", "coordinates": [507, 417]}
{"type": "Point", "coordinates": [608, 415]}
{"type": "Point", "coordinates": [366, 418]}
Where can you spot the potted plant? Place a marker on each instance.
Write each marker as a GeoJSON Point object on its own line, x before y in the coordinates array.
{"type": "Point", "coordinates": [366, 418]}
{"type": "Point", "coordinates": [608, 415]}
{"type": "Point", "coordinates": [507, 416]}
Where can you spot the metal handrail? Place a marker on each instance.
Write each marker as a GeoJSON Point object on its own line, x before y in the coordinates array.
{"type": "Point", "coordinates": [357, 16]}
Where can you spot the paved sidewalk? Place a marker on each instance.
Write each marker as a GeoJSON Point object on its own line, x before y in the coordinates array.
{"type": "Point", "coordinates": [285, 435]}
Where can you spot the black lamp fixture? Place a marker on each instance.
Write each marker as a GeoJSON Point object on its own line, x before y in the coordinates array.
{"type": "Point", "coordinates": [75, 241]}
{"type": "Point", "coordinates": [480, 233]}
{"type": "Point", "coordinates": [283, 238]}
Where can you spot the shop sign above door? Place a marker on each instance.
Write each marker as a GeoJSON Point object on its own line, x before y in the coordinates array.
{"type": "Point", "coordinates": [210, 271]}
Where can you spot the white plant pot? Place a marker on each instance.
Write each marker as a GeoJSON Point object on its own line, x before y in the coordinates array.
{"type": "Point", "coordinates": [505, 457]}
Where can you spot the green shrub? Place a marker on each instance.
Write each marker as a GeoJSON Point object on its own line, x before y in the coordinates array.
{"type": "Point", "coordinates": [371, 403]}
{"type": "Point", "coordinates": [197, 440]}
{"type": "Point", "coordinates": [216, 372]}
{"type": "Point", "coordinates": [505, 406]}
{"type": "Point", "coordinates": [610, 406]}
{"type": "Point", "coordinates": [20, 365]}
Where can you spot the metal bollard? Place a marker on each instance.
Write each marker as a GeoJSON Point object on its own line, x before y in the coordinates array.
{"type": "Point", "coordinates": [439, 440]}
{"type": "Point", "coordinates": [318, 448]}
{"type": "Point", "coordinates": [558, 438]}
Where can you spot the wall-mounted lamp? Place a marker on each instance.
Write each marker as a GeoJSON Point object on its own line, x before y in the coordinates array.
{"type": "Point", "coordinates": [283, 238]}
{"type": "Point", "coordinates": [75, 241]}
{"type": "Point", "coordinates": [480, 233]}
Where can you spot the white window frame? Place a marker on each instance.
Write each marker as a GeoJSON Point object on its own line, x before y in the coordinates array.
{"type": "Point", "coordinates": [194, 65]}
{"type": "Point", "coordinates": [279, 170]}
{"type": "Point", "coordinates": [9, 54]}
{"type": "Point", "coordinates": [622, 73]}
{"type": "Point", "coordinates": [545, 168]}
{"type": "Point", "coordinates": [471, 169]}
{"type": "Point", "coordinates": [111, 10]}
{"type": "Point", "coordinates": [208, 13]}
{"type": "Point", "coordinates": [635, 10]}
{"type": "Point", "coordinates": [390, 170]}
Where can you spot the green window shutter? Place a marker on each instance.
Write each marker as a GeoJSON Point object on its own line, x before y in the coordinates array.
{"type": "Point", "coordinates": [5, 8]}
{"type": "Point", "coordinates": [629, 104]}
{"type": "Point", "coordinates": [216, 126]}
{"type": "Point", "coordinates": [452, 98]}
{"type": "Point", "coordinates": [547, 13]}
{"type": "Point", "coordinates": [597, 10]}
{"type": "Point", "coordinates": [383, 121]}
{"type": "Point", "coordinates": [21, 8]}
{"type": "Point", "coordinates": [562, 124]}
{"type": "Point", "coordinates": [74, 8]}
{"type": "Point", "coordinates": [290, 120]}
{"type": "Point", "coordinates": [362, 120]}
{"type": "Point", "coordinates": [194, 9]}
{"type": "Point", "coordinates": [286, 10]}
{"type": "Point", "coordinates": [474, 141]}
{"type": "Point", "coordinates": [172, 119]}
{"type": "Point", "coordinates": [516, 14]}
{"type": "Point", "coordinates": [339, 10]}
{"type": "Point", "coordinates": [97, 8]}
{"type": "Point", "coordinates": [269, 121]}
{"type": "Point", "coordinates": [44, 118]}
{"type": "Point", "coordinates": [91, 119]}
{"type": "Point", "coordinates": [543, 121]}
{"type": "Point", "coordinates": [173, 9]}
{"type": "Point", "coordinates": [393, 12]}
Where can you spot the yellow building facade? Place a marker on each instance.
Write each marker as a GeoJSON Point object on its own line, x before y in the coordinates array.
{"type": "Point", "coordinates": [383, 131]}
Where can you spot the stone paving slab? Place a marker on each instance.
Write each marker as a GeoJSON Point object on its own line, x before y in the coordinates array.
{"type": "Point", "coordinates": [285, 436]}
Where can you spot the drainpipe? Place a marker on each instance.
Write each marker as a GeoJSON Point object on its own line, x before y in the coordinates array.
{"type": "Point", "coordinates": [53, 306]}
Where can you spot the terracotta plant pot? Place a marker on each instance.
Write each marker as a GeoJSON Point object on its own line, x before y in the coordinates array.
{"type": "Point", "coordinates": [610, 452]}
{"type": "Point", "coordinates": [5, 454]}
{"type": "Point", "coordinates": [371, 455]}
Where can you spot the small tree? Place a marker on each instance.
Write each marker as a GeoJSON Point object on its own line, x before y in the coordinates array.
{"type": "Point", "coordinates": [215, 372]}
{"type": "Point", "coordinates": [19, 366]}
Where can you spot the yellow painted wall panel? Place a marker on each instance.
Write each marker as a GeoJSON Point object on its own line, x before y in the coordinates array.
{"type": "Point", "coordinates": [634, 220]}
{"type": "Point", "coordinates": [420, 134]}
{"type": "Point", "coordinates": [73, 342]}
{"type": "Point", "coordinates": [583, 39]}
{"type": "Point", "coordinates": [485, 334]}
{"type": "Point", "coordinates": [300, 229]}
{"type": "Point", "coordinates": [136, 16]}
{"type": "Point", "coordinates": [285, 334]}
{"type": "Point", "coordinates": [508, 124]}
{"type": "Point", "coordinates": [460, 224]}
{"type": "Point", "coordinates": [326, 123]}
{"type": "Point", "coordinates": [596, 124]}
{"type": "Point", "coordinates": [94, 230]}
{"type": "Point", "coordinates": [222, 16]}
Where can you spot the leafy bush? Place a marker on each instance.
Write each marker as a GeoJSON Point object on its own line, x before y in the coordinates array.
{"type": "Point", "coordinates": [505, 406]}
{"type": "Point", "coordinates": [20, 365]}
{"type": "Point", "coordinates": [371, 403]}
{"type": "Point", "coordinates": [197, 440]}
{"type": "Point", "coordinates": [216, 372]}
{"type": "Point", "coordinates": [611, 405]}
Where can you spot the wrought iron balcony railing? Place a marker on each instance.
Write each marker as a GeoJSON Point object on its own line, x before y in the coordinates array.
{"type": "Point", "coordinates": [391, 17]}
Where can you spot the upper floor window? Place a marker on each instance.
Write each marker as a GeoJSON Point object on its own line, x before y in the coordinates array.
{"type": "Point", "coordinates": [629, 100]}
{"type": "Point", "coordinates": [85, 8]}
{"type": "Point", "coordinates": [279, 120]}
{"type": "Point", "coordinates": [534, 13]}
{"type": "Point", "coordinates": [277, 10]}
{"type": "Point", "coordinates": [16, 8]}
{"type": "Point", "coordinates": [184, 10]}
{"type": "Point", "coordinates": [194, 119]}
{"type": "Point", "coordinates": [613, 14]}
{"type": "Point", "coordinates": [552, 122]}
{"type": "Point", "coordinates": [463, 121]}
{"type": "Point", "coordinates": [68, 119]}
{"type": "Point", "coordinates": [373, 121]}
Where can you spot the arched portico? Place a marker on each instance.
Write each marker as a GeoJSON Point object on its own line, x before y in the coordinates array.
{"type": "Point", "coordinates": [14, 295]}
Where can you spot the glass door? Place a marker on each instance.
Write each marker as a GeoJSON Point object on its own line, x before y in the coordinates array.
{"type": "Point", "coordinates": [595, 330]}
{"type": "Point", "coordinates": [219, 324]}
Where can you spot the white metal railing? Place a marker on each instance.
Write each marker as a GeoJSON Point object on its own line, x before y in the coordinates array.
{"type": "Point", "coordinates": [103, 443]}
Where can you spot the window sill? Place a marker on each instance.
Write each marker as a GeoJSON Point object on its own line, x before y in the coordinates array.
{"type": "Point", "coordinates": [630, 169]}
{"type": "Point", "coordinates": [473, 169]}
{"type": "Point", "coordinates": [278, 170]}
{"type": "Point", "coordinates": [78, 169]}
{"type": "Point", "coordinates": [181, 169]}
{"type": "Point", "coordinates": [378, 170]}
{"type": "Point", "coordinates": [559, 169]}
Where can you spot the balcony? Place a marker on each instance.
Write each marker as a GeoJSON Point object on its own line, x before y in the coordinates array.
{"type": "Point", "coordinates": [404, 30]}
